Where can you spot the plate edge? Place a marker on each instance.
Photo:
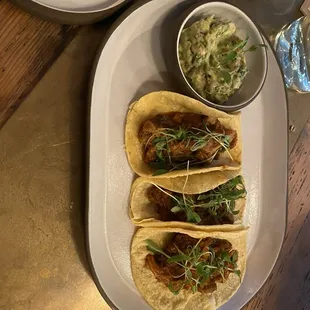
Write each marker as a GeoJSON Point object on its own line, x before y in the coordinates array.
{"type": "Point", "coordinates": [111, 30]}
{"type": "Point", "coordinates": [109, 33]}
{"type": "Point", "coordinates": [63, 17]}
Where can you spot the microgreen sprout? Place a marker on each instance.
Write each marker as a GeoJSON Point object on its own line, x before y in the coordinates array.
{"type": "Point", "coordinates": [214, 200]}
{"type": "Point", "coordinates": [192, 138]}
{"type": "Point", "coordinates": [236, 51]}
{"type": "Point", "coordinates": [198, 265]}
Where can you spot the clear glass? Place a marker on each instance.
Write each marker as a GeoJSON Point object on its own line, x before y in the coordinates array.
{"type": "Point", "coordinates": [292, 46]}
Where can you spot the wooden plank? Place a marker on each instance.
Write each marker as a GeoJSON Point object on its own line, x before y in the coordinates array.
{"type": "Point", "coordinates": [28, 48]}
{"type": "Point", "coordinates": [288, 286]}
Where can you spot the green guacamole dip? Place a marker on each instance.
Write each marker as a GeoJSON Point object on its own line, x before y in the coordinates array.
{"type": "Point", "coordinates": [212, 58]}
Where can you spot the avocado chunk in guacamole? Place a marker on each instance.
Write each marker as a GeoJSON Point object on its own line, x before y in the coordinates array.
{"type": "Point", "coordinates": [212, 59]}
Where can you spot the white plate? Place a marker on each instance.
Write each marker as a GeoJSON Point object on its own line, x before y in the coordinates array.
{"type": "Point", "coordinates": [132, 64]}
{"type": "Point", "coordinates": [71, 12]}
{"type": "Point", "coordinates": [79, 6]}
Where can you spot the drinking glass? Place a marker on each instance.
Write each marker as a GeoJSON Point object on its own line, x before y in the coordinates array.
{"type": "Point", "coordinates": [292, 47]}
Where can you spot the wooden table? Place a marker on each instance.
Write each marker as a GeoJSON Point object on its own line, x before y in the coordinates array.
{"type": "Point", "coordinates": [28, 49]}
{"type": "Point", "coordinates": [288, 286]}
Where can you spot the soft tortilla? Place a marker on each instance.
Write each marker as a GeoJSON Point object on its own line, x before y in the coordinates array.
{"type": "Point", "coordinates": [158, 295]}
{"type": "Point", "coordinates": [144, 213]}
{"type": "Point", "coordinates": [162, 102]}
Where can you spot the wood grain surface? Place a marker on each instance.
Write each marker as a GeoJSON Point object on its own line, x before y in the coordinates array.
{"type": "Point", "coordinates": [28, 47]}
{"type": "Point", "coordinates": [288, 286]}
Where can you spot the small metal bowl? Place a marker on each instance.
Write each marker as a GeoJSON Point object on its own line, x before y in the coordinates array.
{"type": "Point", "coordinates": [257, 62]}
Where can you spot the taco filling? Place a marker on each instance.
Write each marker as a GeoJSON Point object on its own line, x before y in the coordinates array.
{"type": "Point", "coordinates": [186, 263]}
{"type": "Point", "coordinates": [174, 140]}
{"type": "Point", "coordinates": [214, 207]}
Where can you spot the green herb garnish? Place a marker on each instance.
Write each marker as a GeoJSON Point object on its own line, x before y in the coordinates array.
{"type": "Point", "coordinates": [237, 51]}
{"type": "Point", "coordinates": [224, 195]}
{"type": "Point", "coordinates": [194, 137]}
{"type": "Point", "coordinates": [184, 204]}
{"type": "Point", "coordinates": [198, 265]}
{"type": "Point", "coordinates": [154, 248]}
{"type": "Point", "coordinates": [160, 171]}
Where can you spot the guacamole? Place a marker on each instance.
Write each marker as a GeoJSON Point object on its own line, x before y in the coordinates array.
{"type": "Point", "coordinates": [212, 58]}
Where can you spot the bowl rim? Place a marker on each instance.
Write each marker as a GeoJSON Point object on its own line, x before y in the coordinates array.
{"type": "Point", "coordinates": [76, 11]}
{"type": "Point", "coordinates": [188, 14]}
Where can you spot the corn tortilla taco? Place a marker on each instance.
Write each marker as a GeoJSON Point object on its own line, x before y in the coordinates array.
{"type": "Point", "coordinates": [183, 269]}
{"type": "Point", "coordinates": [169, 135]}
{"type": "Point", "coordinates": [217, 202]}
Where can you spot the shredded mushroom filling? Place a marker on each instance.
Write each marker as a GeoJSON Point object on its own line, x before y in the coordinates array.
{"type": "Point", "coordinates": [192, 264]}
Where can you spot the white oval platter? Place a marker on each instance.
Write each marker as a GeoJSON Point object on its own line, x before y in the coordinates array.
{"type": "Point", "coordinates": [132, 63]}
